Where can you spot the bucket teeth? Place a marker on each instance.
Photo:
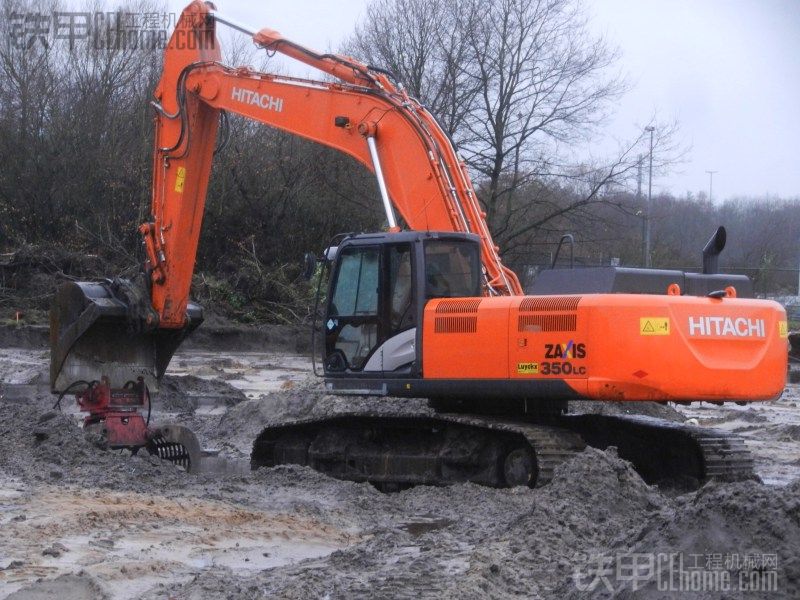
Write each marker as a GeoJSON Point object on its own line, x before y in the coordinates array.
{"type": "Point", "coordinates": [173, 452]}
{"type": "Point", "coordinates": [177, 445]}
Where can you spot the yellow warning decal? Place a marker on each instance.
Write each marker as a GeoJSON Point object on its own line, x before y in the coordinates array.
{"type": "Point", "coordinates": [180, 179]}
{"type": "Point", "coordinates": [528, 368]}
{"type": "Point", "coordinates": [783, 329]}
{"type": "Point", "coordinates": [654, 326]}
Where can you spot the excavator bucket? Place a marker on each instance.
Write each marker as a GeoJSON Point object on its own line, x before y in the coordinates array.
{"type": "Point", "coordinates": [108, 329]}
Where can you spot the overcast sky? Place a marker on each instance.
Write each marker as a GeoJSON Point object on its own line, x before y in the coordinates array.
{"type": "Point", "coordinates": [727, 70]}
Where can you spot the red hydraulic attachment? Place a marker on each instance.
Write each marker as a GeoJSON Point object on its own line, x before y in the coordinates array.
{"type": "Point", "coordinates": [117, 413]}
{"type": "Point", "coordinates": [117, 409]}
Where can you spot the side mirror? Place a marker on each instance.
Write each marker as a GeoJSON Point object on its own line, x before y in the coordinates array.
{"type": "Point", "coordinates": [330, 253]}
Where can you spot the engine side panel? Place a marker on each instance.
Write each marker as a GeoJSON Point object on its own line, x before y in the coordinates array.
{"type": "Point", "coordinates": [466, 338]}
{"type": "Point", "coordinates": [613, 346]}
{"type": "Point", "coordinates": [686, 348]}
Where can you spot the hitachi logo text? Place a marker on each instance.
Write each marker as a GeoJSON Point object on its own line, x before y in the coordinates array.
{"type": "Point", "coordinates": [734, 327]}
{"type": "Point", "coordinates": [263, 100]}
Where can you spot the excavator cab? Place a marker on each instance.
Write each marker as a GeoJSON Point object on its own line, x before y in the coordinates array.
{"type": "Point", "coordinates": [377, 294]}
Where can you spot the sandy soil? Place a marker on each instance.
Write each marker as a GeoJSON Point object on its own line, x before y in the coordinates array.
{"type": "Point", "coordinates": [79, 521]}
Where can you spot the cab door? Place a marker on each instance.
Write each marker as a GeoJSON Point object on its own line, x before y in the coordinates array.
{"type": "Point", "coordinates": [372, 301]}
{"type": "Point", "coordinates": [353, 325]}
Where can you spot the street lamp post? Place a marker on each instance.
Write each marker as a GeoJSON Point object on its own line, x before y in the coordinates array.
{"type": "Point", "coordinates": [711, 185]}
{"type": "Point", "coordinates": [647, 260]}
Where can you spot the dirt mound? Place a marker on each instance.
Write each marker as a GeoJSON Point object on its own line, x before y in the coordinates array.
{"type": "Point", "coordinates": [597, 480]}
{"type": "Point", "coordinates": [594, 500]}
{"type": "Point", "coordinates": [307, 400]}
{"type": "Point", "coordinates": [181, 394]}
{"type": "Point", "coordinates": [747, 522]}
{"type": "Point", "coordinates": [787, 433]}
{"type": "Point", "coordinates": [737, 538]}
{"type": "Point", "coordinates": [50, 447]}
{"type": "Point", "coordinates": [66, 587]}
{"type": "Point", "coordinates": [749, 415]}
{"type": "Point", "coordinates": [650, 409]}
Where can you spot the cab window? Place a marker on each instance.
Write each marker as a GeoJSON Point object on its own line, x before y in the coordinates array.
{"type": "Point", "coordinates": [356, 292]}
{"type": "Point", "coordinates": [452, 269]}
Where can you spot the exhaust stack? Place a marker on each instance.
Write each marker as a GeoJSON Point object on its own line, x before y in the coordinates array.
{"type": "Point", "coordinates": [712, 250]}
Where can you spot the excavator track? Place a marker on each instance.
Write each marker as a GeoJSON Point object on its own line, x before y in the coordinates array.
{"type": "Point", "coordinates": [727, 458]}
{"type": "Point", "coordinates": [665, 451]}
{"type": "Point", "coordinates": [552, 445]}
{"type": "Point", "coordinates": [401, 450]}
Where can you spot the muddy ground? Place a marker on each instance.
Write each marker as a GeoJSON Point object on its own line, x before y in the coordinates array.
{"type": "Point", "coordinates": [79, 521]}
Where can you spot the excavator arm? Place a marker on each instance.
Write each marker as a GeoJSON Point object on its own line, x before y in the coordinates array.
{"type": "Point", "coordinates": [362, 114]}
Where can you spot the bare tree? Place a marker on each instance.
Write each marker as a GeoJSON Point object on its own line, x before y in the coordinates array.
{"type": "Point", "coordinates": [519, 85]}
{"type": "Point", "coordinates": [427, 46]}
{"type": "Point", "coordinates": [28, 84]}
{"type": "Point", "coordinates": [559, 198]}
{"type": "Point", "coordinates": [543, 82]}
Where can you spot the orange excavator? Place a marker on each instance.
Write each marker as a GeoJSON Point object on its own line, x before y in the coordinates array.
{"type": "Point", "coordinates": [425, 309]}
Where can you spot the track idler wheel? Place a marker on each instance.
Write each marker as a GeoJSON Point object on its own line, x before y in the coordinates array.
{"type": "Point", "coordinates": [176, 444]}
{"type": "Point", "coordinates": [519, 468]}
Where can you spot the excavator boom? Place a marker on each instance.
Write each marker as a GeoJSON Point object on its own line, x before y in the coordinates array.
{"type": "Point", "coordinates": [362, 114]}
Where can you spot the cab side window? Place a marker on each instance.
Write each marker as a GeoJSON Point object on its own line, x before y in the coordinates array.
{"type": "Point", "coordinates": [355, 301]}
{"type": "Point", "coordinates": [356, 291]}
{"type": "Point", "coordinates": [400, 288]}
{"type": "Point", "coordinates": [452, 269]}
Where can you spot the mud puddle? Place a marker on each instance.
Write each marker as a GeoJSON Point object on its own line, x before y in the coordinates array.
{"type": "Point", "coordinates": [20, 366]}
{"type": "Point", "coordinates": [254, 373]}
{"type": "Point", "coordinates": [132, 542]}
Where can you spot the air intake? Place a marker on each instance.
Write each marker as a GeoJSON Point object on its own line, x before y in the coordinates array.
{"type": "Point", "coordinates": [547, 323]}
{"type": "Point", "coordinates": [549, 303]}
{"type": "Point", "coordinates": [458, 305]}
{"type": "Point", "coordinates": [456, 324]}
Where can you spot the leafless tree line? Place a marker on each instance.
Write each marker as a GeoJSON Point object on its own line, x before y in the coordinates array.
{"type": "Point", "coordinates": [517, 84]}
{"type": "Point", "coordinates": [76, 135]}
